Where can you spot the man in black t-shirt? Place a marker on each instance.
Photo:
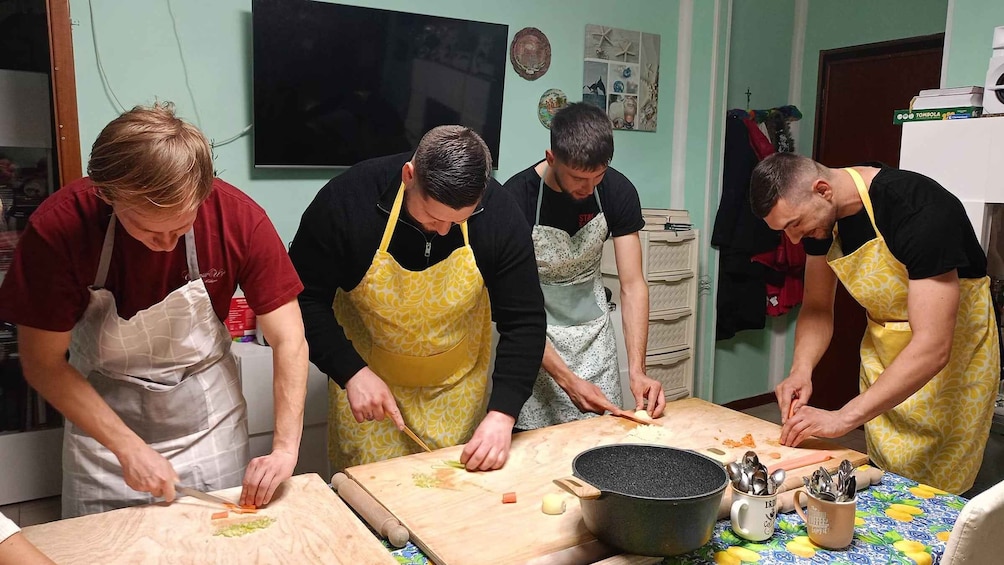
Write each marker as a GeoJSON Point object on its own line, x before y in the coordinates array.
{"type": "Point", "coordinates": [904, 248]}
{"type": "Point", "coordinates": [574, 200]}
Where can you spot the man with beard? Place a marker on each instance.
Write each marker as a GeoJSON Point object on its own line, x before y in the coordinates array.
{"type": "Point", "coordinates": [903, 247]}
{"type": "Point", "coordinates": [574, 201]}
{"type": "Point", "coordinates": [418, 253]}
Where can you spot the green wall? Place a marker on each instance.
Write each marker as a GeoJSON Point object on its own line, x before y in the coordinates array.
{"type": "Point", "coordinates": [969, 40]}
{"type": "Point", "coordinates": [761, 54]}
{"type": "Point", "coordinates": [141, 60]}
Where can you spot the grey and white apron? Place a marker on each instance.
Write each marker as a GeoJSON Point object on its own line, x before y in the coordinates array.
{"type": "Point", "coordinates": [578, 321]}
{"type": "Point", "coordinates": [169, 374]}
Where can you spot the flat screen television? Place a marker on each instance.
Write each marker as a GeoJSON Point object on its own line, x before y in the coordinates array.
{"type": "Point", "coordinates": [335, 85]}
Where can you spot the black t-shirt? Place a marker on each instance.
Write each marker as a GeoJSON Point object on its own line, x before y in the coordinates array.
{"type": "Point", "coordinates": [619, 197]}
{"type": "Point", "coordinates": [924, 225]}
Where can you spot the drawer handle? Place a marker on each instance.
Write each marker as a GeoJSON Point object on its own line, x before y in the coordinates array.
{"type": "Point", "coordinates": [670, 277]}
{"type": "Point", "coordinates": [669, 317]}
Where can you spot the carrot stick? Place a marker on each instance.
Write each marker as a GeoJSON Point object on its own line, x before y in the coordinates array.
{"type": "Point", "coordinates": [218, 515]}
{"type": "Point", "coordinates": [248, 507]}
{"type": "Point", "coordinates": [509, 498]}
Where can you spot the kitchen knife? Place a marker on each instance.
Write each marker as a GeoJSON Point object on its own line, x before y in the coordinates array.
{"type": "Point", "coordinates": [203, 496]}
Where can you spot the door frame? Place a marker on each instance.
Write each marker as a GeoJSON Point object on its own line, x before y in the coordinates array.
{"type": "Point", "coordinates": [870, 50]}
{"type": "Point", "coordinates": [64, 90]}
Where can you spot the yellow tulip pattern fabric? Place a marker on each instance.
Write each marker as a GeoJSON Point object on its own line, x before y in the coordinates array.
{"type": "Point", "coordinates": [937, 435]}
{"type": "Point", "coordinates": [427, 334]}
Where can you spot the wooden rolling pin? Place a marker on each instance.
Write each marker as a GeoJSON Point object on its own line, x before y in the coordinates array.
{"type": "Point", "coordinates": [786, 499]}
{"type": "Point", "coordinates": [378, 517]}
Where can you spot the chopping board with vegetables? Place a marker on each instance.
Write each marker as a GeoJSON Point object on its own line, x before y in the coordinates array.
{"type": "Point", "coordinates": [458, 517]}
{"type": "Point", "coordinates": [305, 523]}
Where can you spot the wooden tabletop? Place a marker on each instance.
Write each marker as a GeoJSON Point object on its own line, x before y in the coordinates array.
{"type": "Point", "coordinates": [312, 525]}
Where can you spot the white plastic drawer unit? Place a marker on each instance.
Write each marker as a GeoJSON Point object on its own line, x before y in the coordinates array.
{"type": "Point", "coordinates": [668, 291]}
{"type": "Point", "coordinates": [661, 252]}
{"type": "Point", "coordinates": [670, 331]}
{"type": "Point", "coordinates": [674, 370]}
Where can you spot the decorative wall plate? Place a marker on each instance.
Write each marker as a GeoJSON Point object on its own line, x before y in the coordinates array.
{"type": "Point", "coordinates": [550, 102]}
{"type": "Point", "coordinates": [530, 53]}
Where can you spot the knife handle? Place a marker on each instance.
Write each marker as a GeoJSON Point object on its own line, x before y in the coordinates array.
{"type": "Point", "coordinates": [378, 517]}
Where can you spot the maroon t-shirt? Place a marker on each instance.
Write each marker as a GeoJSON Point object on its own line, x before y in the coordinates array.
{"type": "Point", "coordinates": [57, 258]}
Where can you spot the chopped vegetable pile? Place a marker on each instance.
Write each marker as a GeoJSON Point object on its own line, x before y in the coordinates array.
{"type": "Point", "coordinates": [244, 528]}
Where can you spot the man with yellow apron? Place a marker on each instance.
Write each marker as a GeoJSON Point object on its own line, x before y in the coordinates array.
{"type": "Point", "coordinates": [574, 200]}
{"type": "Point", "coordinates": [904, 248]}
{"type": "Point", "coordinates": [399, 257]}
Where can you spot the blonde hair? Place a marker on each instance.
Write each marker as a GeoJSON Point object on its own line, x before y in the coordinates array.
{"type": "Point", "coordinates": [148, 157]}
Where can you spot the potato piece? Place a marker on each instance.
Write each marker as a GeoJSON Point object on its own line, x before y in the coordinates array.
{"type": "Point", "coordinates": [553, 504]}
{"type": "Point", "coordinates": [642, 414]}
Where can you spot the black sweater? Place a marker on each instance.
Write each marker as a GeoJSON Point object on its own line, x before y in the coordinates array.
{"type": "Point", "coordinates": [341, 230]}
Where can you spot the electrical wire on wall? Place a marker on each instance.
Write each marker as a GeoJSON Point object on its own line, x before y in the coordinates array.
{"type": "Point", "coordinates": [120, 108]}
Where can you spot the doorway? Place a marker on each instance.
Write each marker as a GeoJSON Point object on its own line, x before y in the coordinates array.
{"type": "Point", "coordinates": [859, 88]}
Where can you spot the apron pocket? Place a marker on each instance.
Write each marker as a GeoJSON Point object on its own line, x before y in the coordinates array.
{"type": "Point", "coordinates": [889, 339]}
{"type": "Point", "coordinates": [155, 416]}
{"type": "Point", "coordinates": [413, 371]}
{"type": "Point", "coordinates": [570, 304]}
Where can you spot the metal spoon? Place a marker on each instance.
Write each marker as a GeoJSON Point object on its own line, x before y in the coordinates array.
{"type": "Point", "coordinates": [734, 471]}
{"type": "Point", "coordinates": [750, 460]}
{"type": "Point", "coordinates": [744, 481]}
{"type": "Point", "coordinates": [852, 488]}
{"type": "Point", "coordinates": [778, 477]}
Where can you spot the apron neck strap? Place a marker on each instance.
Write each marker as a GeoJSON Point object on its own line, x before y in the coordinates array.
{"type": "Point", "coordinates": [109, 243]}
{"type": "Point", "coordinates": [859, 183]}
{"type": "Point", "coordinates": [395, 213]}
{"type": "Point", "coordinates": [540, 197]}
{"type": "Point", "coordinates": [106, 254]}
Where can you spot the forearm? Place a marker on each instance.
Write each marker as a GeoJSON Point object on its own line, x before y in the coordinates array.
{"type": "Point", "coordinates": [913, 368]}
{"type": "Point", "coordinates": [70, 393]}
{"type": "Point", "coordinates": [289, 387]}
{"type": "Point", "coordinates": [556, 366]}
{"type": "Point", "coordinates": [634, 319]}
{"type": "Point", "coordinates": [812, 337]}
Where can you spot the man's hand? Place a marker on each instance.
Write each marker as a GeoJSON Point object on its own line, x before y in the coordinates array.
{"type": "Point", "coordinates": [264, 474]}
{"type": "Point", "coordinates": [808, 421]}
{"type": "Point", "coordinates": [145, 470]}
{"type": "Point", "coordinates": [586, 396]}
{"type": "Point", "coordinates": [648, 394]}
{"type": "Point", "coordinates": [489, 446]}
{"type": "Point", "coordinates": [793, 393]}
{"type": "Point", "coordinates": [371, 399]}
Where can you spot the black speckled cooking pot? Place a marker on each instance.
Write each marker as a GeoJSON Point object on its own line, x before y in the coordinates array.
{"type": "Point", "coordinates": [654, 500]}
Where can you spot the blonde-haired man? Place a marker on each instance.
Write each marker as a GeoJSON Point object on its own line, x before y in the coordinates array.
{"type": "Point", "coordinates": [132, 270]}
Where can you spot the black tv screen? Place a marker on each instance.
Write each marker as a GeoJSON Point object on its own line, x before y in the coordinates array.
{"type": "Point", "coordinates": [336, 84]}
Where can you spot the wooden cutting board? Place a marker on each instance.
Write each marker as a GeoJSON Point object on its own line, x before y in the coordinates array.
{"type": "Point", "coordinates": [312, 525]}
{"type": "Point", "coordinates": [457, 517]}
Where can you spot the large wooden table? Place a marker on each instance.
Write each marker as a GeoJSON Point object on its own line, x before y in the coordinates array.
{"type": "Point", "coordinates": [457, 517]}
{"type": "Point", "coordinates": [312, 525]}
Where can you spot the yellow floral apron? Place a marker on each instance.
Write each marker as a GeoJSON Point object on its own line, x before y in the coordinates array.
{"type": "Point", "coordinates": [937, 435]}
{"type": "Point", "coordinates": [427, 334]}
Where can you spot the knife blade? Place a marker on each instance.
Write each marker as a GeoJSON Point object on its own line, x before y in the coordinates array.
{"type": "Point", "coordinates": [203, 496]}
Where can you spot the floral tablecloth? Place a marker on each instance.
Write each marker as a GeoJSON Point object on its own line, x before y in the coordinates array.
{"type": "Point", "coordinates": [898, 521]}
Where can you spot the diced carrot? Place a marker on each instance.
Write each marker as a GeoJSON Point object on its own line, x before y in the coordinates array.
{"type": "Point", "coordinates": [509, 498]}
{"type": "Point", "coordinates": [218, 515]}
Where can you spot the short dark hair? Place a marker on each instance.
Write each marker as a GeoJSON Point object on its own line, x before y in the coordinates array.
{"type": "Point", "coordinates": [776, 177]}
{"type": "Point", "coordinates": [453, 166]}
{"type": "Point", "coordinates": [582, 137]}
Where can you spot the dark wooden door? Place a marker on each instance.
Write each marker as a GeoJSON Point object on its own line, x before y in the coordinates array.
{"type": "Point", "coordinates": [859, 89]}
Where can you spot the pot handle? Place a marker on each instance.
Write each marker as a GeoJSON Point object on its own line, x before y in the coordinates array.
{"type": "Point", "coordinates": [578, 487]}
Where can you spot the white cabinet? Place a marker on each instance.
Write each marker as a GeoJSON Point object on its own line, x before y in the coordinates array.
{"type": "Point", "coordinates": [669, 263]}
{"type": "Point", "coordinates": [964, 156]}
{"type": "Point", "coordinates": [255, 364]}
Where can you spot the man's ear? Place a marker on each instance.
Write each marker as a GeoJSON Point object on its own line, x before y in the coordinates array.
{"type": "Point", "coordinates": [549, 157]}
{"type": "Point", "coordinates": [822, 188]}
{"type": "Point", "coordinates": [408, 173]}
